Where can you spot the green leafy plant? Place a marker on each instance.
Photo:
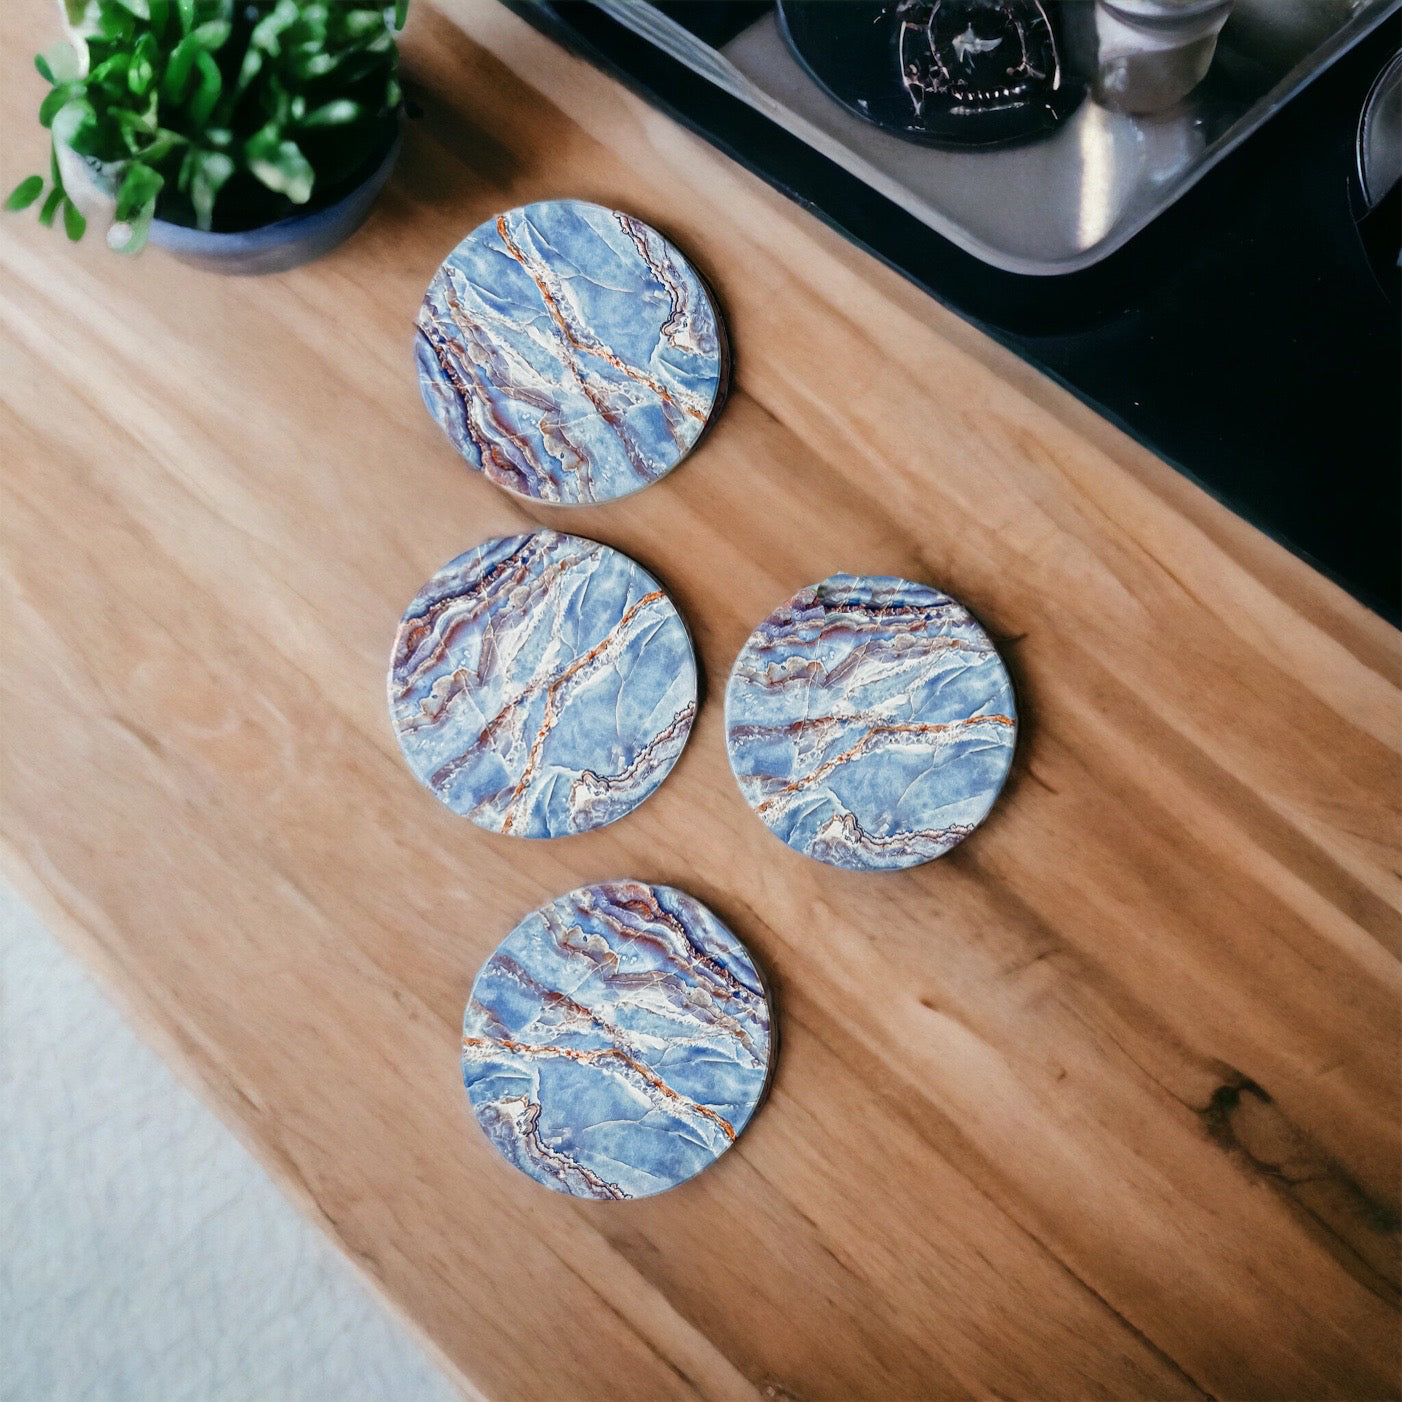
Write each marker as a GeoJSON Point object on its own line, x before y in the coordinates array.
{"type": "Point", "coordinates": [217, 114]}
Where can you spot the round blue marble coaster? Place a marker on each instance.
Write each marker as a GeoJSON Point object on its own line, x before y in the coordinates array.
{"type": "Point", "coordinates": [570, 352]}
{"type": "Point", "coordinates": [870, 722]}
{"type": "Point", "coordinates": [542, 684]}
{"type": "Point", "coordinates": [617, 1041]}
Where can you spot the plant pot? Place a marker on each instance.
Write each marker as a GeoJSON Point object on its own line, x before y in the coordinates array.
{"type": "Point", "coordinates": [270, 249]}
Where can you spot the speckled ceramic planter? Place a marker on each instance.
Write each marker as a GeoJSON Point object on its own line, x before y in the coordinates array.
{"type": "Point", "coordinates": [617, 1041]}
{"type": "Point", "coordinates": [570, 352]}
{"type": "Point", "coordinates": [542, 684]}
{"type": "Point", "coordinates": [870, 722]}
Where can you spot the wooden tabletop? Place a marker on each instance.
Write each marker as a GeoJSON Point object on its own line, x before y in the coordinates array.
{"type": "Point", "coordinates": [1102, 1104]}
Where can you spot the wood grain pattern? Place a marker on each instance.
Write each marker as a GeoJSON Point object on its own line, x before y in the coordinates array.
{"type": "Point", "coordinates": [1103, 1104]}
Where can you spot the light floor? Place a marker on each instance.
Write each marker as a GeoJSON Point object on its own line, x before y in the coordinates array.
{"type": "Point", "coordinates": [143, 1252]}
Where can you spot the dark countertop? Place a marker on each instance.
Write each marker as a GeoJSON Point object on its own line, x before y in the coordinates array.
{"type": "Point", "coordinates": [1244, 336]}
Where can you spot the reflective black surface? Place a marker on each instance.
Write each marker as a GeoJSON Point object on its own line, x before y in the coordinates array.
{"type": "Point", "coordinates": [955, 72]}
{"type": "Point", "coordinates": [1245, 336]}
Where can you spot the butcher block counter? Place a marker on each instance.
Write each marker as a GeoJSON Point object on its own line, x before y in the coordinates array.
{"type": "Point", "coordinates": [1104, 1103]}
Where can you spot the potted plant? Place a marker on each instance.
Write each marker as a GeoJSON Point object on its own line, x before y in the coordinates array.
{"type": "Point", "coordinates": [244, 136]}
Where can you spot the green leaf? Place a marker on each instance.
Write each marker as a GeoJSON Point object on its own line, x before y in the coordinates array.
{"type": "Point", "coordinates": [161, 145]}
{"type": "Point", "coordinates": [179, 68]}
{"type": "Point", "coordinates": [214, 34]}
{"type": "Point", "coordinates": [26, 192]}
{"type": "Point", "coordinates": [74, 224]}
{"type": "Point", "coordinates": [114, 24]}
{"type": "Point", "coordinates": [211, 170]}
{"type": "Point", "coordinates": [142, 72]}
{"type": "Point", "coordinates": [358, 23]}
{"type": "Point", "coordinates": [267, 33]}
{"type": "Point", "coordinates": [281, 166]}
{"type": "Point", "coordinates": [248, 71]}
{"type": "Point", "coordinates": [173, 87]}
{"type": "Point", "coordinates": [135, 127]}
{"type": "Point", "coordinates": [140, 187]}
{"type": "Point", "coordinates": [317, 65]}
{"type": "Point", "coordinates": [112, 70]}
{"type": "Point", "coordinates": [51, 105]}
{"type": "Point", "coordinates": [46, 215]}
{"type": "Point", "coordinates": [309, 30]}
{"type": "Point", "coordinates": [333, 114]}
{"type": "Point", "coordinates": [207, 90]}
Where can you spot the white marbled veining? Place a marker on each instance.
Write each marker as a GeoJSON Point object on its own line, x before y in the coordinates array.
{"type": "Point", "coordinates": [617, 1041]}
{"type": "Point", "coordinates": [542, 684]}
{"type": "Point", "coordinates": [870, 722]}
{"type": "Point", "coordinates": [570, 352]}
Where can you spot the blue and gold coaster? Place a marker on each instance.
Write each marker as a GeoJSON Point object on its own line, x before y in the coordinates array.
{"type": "Point", "coordinates": [570, 352]}
{"type": "Point", "coordinates": [542, 684]}
{"type": "Point", "coordinates": [870, 722]}
{"type": "Point", "coordinates": [617, 1041]}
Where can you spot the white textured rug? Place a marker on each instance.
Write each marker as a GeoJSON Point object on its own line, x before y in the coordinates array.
{"type": "Point", "coordinates": [143, 1253]}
